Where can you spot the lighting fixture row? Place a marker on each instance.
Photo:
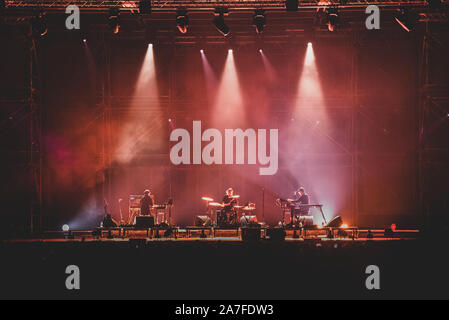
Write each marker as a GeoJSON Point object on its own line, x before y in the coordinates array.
{"type": "Point", "coordinates": [405, 17]}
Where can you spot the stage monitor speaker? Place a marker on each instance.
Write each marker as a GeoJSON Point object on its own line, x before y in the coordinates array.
{"type": "Point", "coordinates": [251, 234]}
{"type": "Point", "coordinates": [276, 234]}
{"type": "Point", "coordinates": [335, 222]}
{"type": "Point", "coordinates": [144, 222]}
{"type": "Point", "coordinates": [203, 221]}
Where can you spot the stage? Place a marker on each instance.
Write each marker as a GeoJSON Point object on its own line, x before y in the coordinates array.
{"type": "Point", "coordinates": [224, 149]}
{"type": "Point", "coordinates": [224, 268]}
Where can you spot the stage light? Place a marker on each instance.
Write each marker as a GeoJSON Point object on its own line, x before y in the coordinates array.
{"type": "Point", "coordinates": [230, 51]}
{"type": "Point", "coordinates": [309, 44]}
{"type": "Point", "coordinates": [113, 20]}
{"type": "Point", "coordinates": [332, 18]}
{"type": "Point", "coordinates": [219, 22]}
{"type": "Point", "coordinates": [39, 24]}
{"type": "Point", "coordinates": [344, 226]}
{"type": "Point", "coordinates": [65, 228]}
{"type": "Point", "coordinates": [182, 20]}
{"type": "Point", "coordinates": [336, 222]}
{"type": "Point", "coordinates": [406, 19]}
{"type": "Point", "coordinates": [202, 51]}
{"type": "Point", "coordinates": [260, 50]}
{"type": "Point", "coordinates": [291, 5]}
{"type": "Point", "coordinates": [259, 20]}
{"type": "Point", "coordinates": [145, 6]}
{"type": "Point", "coordinates": [393, 227]}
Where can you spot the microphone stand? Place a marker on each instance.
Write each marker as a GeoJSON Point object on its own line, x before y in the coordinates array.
{"type": "Point", "coordinates": [263, 205]}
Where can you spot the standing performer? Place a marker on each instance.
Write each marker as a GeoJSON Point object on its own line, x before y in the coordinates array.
{"type": "Point", "coordinates": [146, 203]}
{"type": "Point", "coordinates": [227, 215]}
{"type": "Point", "coordinates": [301, 198]}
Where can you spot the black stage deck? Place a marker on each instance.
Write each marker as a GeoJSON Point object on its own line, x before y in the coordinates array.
{"type": "Point", "coordinates": [224, 268]}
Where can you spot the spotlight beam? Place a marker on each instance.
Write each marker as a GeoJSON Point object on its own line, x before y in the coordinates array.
{"type": "Point", "coordinates": [228, 107]}
{"type": "Point", "coordinates": [140, 126]}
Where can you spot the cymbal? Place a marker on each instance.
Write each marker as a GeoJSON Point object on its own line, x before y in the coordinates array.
{"type": "Point", "coordinates": [215, 204]}
{"type": "Point", "coordinates": [236, 196]}
{"type": "Point", "coordinates": [238, 207]}
{"type": "Point", "coordinates": [249, 208]}
{"type": "Point", "coordinates": [207, 199]}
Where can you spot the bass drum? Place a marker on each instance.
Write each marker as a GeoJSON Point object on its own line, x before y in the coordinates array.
{"type": "Point", "coordinates": [222, 219]}
{"type": "Point", "coordinates": [233, 218]}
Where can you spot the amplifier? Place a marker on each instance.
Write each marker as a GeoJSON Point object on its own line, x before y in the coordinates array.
{"type": "Point", "coordinates": [275, 234]}
{"type": "Point", "coordinates": [251, 234]}
{"type": "Point", "coordinates": [144, 222]}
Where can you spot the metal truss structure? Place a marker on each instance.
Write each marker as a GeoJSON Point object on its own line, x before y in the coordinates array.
{"type": "Point", "coordinates": [35, 147]}
{"type": "Point", "coordinates": [171, 5]}
{"type": "Point", "coordinates": [27, 113]}
{"type": "Point", "coordinates": [433, 115]}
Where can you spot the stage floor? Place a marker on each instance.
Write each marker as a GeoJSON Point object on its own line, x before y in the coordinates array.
{"type": "Point", "coordinates": [224, 268]}
{"type": "Point", "coordinates": [222, 235]}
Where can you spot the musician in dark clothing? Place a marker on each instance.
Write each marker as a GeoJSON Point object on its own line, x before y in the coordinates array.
{"type": "Point", "coordinates": [229, 201]}
{"type": "Point", "coordinates": [301, 198]}
{"type": "Point", "coordinates": [146, 203]}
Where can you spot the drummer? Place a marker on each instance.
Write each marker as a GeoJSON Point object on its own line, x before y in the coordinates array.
{"type": "Point", "coordinates": [229, 200]}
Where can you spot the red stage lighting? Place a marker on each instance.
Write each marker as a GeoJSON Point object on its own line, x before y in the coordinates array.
{"type": "Point", "coordinates": [182, 20]}
{"type": "Point", "coordinates": [113, 20]}
{"type": "Point", "coordinates": [39, 24]}
{"type": "Point", "coordinates": [393, 227]}
{"type": "Point", "coordinates": [332, 18]}
{"type": "Point", "coordinates": [406, 19]}
{"type": "Point", "coordinates": [259, 20]}
{"type": "Point", "coordinates": [219, 21]}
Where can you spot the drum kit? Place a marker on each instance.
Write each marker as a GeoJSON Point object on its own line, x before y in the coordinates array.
{"type": "Point", "coordinates": [223, 216]}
